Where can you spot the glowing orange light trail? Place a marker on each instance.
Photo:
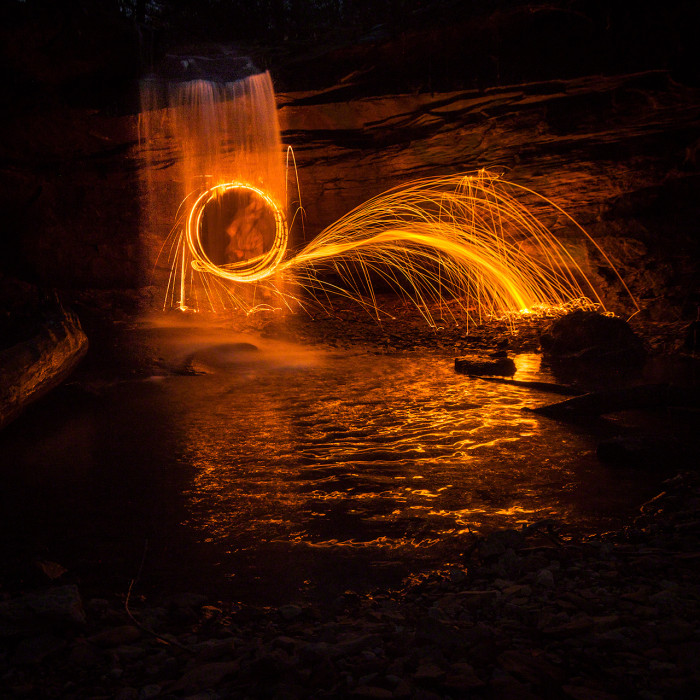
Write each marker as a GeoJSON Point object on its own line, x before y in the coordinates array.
{"type": "Point", "coordinates": [250, 270]}
{"type": "Point", "coordinates": [464, 238]}
{"type": "Point", "coordinates": [211, 140]}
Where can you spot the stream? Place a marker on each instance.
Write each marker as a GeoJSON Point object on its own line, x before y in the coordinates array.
{"type": "Point", "coordinates": [263, 470]}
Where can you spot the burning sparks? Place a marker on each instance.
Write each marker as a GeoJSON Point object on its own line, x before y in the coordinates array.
{"type": "Point", "coordinates": [210, 139]}
{"type": "Point", "coordinates": [465, 239]}
{"type": "Point", "coordinates": [251, 270]}
{"type": "Point", "coordinates": [470, 244]}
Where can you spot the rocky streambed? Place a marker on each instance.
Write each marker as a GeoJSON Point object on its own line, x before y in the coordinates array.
{"type": "Point", "coordinates": [531, 613]}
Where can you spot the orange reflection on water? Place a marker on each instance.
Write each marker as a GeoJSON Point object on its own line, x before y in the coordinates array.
{"type": "Point", "coordinates": [293, 449]}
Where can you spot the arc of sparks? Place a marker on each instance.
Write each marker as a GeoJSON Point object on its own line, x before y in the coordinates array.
{"type": "Point", "coordinates": [464, 238]}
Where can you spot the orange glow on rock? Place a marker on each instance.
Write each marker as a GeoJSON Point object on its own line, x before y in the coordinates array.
{"type": "Point", "coordinates": [472, 240]}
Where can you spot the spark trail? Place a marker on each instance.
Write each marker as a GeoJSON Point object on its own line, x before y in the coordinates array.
{"type": "Point", "coordinates": [467, 239]}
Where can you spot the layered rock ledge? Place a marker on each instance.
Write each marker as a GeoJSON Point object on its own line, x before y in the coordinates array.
{"type": "Point", "coordinates": [42, 344]}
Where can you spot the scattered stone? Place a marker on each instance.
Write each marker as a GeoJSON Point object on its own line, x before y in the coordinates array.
{"type": "Point", "coordinates": [462, 677]}
{"type": "Point", "coordinates": [205, 676]}
{"type": "Point", "coordinates": [545, 578]}
{"type": "Point", "coordinates": [150, 691]}
{"type": "Point", "coordinates": [211, 649]}
{"type": "Point", "coordinates": [128, 653]}
{"type": "Point", "coordinates": [50, 569]}
{"type": "Point", "coordinates": [84, 655]}
{"type": "Point", "coordinates": [370, 691]}
{"type": "Point", "coordinates": [612, 615]}
{"type": "Point", "coordinates": [428, 672]}
{"type": "Point", "coordinates": [497, 543]}
{"type": "Point", "coordinates": [35, 649]}
{"type": "Point", "coordinates": [115, 636]}
{"type": "Point", "coordinates": [473, 600]}
{"type": "Point", "coordinates": [290, 612]}
{"type": "Point", "coordinates": [353, 645]}
{"type": "Point", "coordinates": [216, 357]}
{"type": "Point", "coordinates": [127, 694]}
{"type": "Point", "coordinates": [477, 366]}
{"type": "Point", "coordinates": [187, 600]}
{"type": "Point", "coordinates": [457, 575]}
{"type": "Point", "coordinates": [586, 693]}
{"type": "Point", "coordinates": [61, 605]}
{"type": "Point", "coordinates": [403, 690]}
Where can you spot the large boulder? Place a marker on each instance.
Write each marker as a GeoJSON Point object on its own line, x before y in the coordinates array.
{"type": "Point", "coordinates": [590, 336]}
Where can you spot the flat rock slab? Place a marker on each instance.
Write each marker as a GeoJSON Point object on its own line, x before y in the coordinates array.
{"type": "Point", "coordinates": [641, 397]}
{"type": "Point", "coordinates": [61, 605]}
{"type": "Point", "coordinates": [486, 366]}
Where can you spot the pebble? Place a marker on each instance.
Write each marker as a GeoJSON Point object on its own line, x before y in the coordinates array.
{"type": "Point", "coordinates": [150, 691]}
{"type": "Point", "coordinates": [545, 578]}
{"type": "Point", "coordinates": [558, 623]}
{"type": "Point", "coordinates": [428, 671]}
{"type": "Point", "coordinates": [290, 612]}
{"type": "Point", "coordinates": [115, 636]}
{"type": "Point", "coordinates": [127, 693]}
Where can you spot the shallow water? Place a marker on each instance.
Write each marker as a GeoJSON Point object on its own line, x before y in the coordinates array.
{"type": "Point", "coordinates": [268, 472]}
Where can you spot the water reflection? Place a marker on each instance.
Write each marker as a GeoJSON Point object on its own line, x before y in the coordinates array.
{"type": "Point", "coordinates": [276, 468]}
{"type": "Point", "coordinates": [386, 452]}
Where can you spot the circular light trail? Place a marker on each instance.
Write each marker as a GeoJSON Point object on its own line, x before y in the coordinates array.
{"type": "Point", "coordinates": [471, 240]}
{"type": "Point", "coordinates": [252, 270]}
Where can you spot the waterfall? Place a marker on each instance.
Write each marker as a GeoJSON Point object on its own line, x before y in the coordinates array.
{"type": "Point", "coordinates": [209, 133]}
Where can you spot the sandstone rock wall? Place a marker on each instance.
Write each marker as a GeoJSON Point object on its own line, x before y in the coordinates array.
{"type": "Point", "coordinates": [618, 153]}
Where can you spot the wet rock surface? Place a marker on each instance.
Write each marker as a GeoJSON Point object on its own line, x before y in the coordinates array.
{"type": "Point", "coordinates": [536, 613]}
{"type": "Point", "coordinates": [618, 153]}
{"type": "Point", "coordinates": [497, 364]}
{"type": "Point", "coordinates": [109, 316]}
{"type": "Point", "coordinates": [614, 152]}
{"type": "Point", "coordinates": [528, 613]}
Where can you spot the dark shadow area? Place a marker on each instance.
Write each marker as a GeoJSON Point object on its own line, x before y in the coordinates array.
{"type": "Point", "coordinates": [317, 506]}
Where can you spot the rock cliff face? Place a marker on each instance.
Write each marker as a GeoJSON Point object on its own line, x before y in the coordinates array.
{"type": "Point", "coordinates": [586, 141]}
{"type": "Point", "coordinates": [618, 153]}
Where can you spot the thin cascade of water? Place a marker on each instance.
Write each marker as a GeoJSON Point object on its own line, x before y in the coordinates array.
{"type": "Point", "coordinates": [204, 125]}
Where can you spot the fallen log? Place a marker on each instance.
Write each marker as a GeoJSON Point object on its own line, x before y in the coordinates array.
{"type": "Point", "coordinates": [598, 403]}
{"type": "Point", "coordinates": [562, 389]}
{"type": "Point", "coordinates": [35, 365]}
